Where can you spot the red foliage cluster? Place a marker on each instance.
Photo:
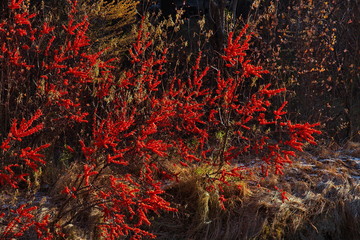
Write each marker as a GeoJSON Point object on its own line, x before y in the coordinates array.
{"type": "Point", "coordinates": [22, 219]}
{"type": "Point", "coordinates": [137, 123]}
{"type": "Point", "coordinates": [31, 157]}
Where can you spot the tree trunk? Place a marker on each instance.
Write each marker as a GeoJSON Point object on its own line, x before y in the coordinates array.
{"type": "Point", "coordinates": [217, 19]}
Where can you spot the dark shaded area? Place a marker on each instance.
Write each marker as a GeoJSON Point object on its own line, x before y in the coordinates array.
{"type": "Point", "coordinates": [214, 10]}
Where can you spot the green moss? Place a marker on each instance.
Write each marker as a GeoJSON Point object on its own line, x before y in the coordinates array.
{"type": "Point", "coordinates": [270, 232]}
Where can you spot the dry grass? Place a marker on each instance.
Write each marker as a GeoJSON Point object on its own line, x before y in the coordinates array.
{"type": "Point", "coordinates": [111, 23]}
{"type": "Point", "coordinates": [323, 203]}
{"type": "Point", "coordinates": [353, 149]}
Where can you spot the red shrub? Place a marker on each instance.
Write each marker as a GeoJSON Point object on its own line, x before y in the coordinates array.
{"type": "Point", "coordinates": [126, 130]}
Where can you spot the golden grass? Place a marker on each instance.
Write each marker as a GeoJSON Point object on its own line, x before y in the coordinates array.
{"type": "Point", "coordinates": [110, 24]}
{"type": "Point", "coordinates": [323, 201]}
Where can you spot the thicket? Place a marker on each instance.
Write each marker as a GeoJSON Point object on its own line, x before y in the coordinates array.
{"type": "Point", "coordinates": [311, 47]}
{"type": "Point", "coordinates": [111, 137]}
